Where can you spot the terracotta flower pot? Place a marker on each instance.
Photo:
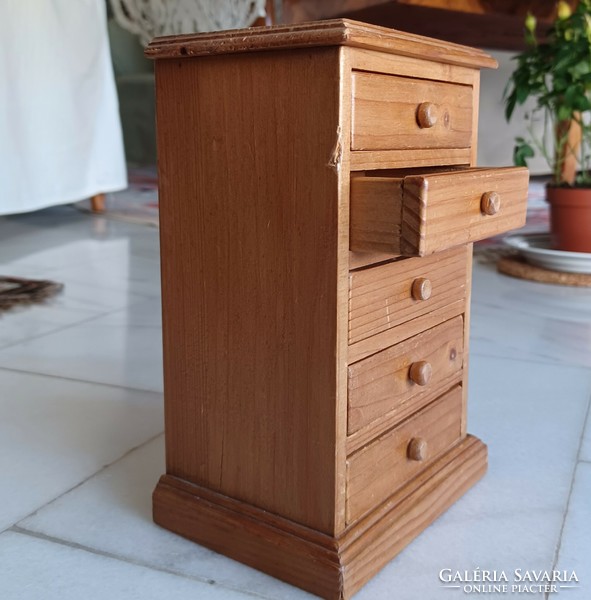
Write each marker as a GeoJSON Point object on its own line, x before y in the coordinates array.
{"type": "Point", "coordinates": [570, 218]}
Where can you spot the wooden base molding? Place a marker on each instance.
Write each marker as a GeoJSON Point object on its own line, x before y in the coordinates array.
{"type": "Point", "coordinates": [330, 567]}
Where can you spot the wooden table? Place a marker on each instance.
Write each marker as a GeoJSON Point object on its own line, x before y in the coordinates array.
{"type": "Point", "coordinates": [494, 24]}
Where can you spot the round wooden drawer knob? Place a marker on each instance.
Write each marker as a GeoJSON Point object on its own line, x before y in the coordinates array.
{"type": "Point", "coordinates": [417, 449]}
{"type": "Point", "coordinates": [420, 372]}
{"type": "Point", "coordinates": [427, 115]}
{"type": "Point", "coordinates": [490, 204]}
{"type": "Point", "coordinates": [421, 289]}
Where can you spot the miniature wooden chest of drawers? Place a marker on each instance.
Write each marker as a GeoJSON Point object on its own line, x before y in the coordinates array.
{"type": "Point", "coordinates": [319, 201]}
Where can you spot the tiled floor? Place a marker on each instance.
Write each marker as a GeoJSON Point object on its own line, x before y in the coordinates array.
{"type": "Point", "coordinates": [81, 443]}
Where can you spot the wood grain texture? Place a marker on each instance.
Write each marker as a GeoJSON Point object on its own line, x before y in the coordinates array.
{"type": "Point", "coordinates": [369, 160]}
{"type": "Point", "coordinates": [385, 115]}
{"type": "Point", "coordinates": [335, 32]}
{"type": "Point", "coordinates": [436, 211]}
{"type": "Point", "coordinates": [368, 545]}
{"type": "Point", "coordinates": [442, 210]}
{"type": "Point", "coordinates": [255, 537]}
{"type": "Point", "coordinates": [380, 298]}
{"type": "Point", "coordinates": [379, 469]}
{"type": "Point", "coordinates": [296, 440]}
{"type": "Point", "coordinates": [409, 66]}
{"type": "Point", "coordinates": [332, 567]}
{"type": "Point", "coordinates": [249, 270]}
{"type": "Point", "coordinates": [467, 318]}
{"type": "Point", "coordinates": [374, 229]}
{"type": "Point", "coordinates": [357, 260]}
{"type": "Point", "coordinates": [381, 386]}
{"type": "Point", "coordinates": [343, 226]}
{"type": "Point", "coordinates": [475, 116]}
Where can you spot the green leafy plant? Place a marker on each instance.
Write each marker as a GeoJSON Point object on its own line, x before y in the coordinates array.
{"type": "Point", "coordinates": [556, 73]}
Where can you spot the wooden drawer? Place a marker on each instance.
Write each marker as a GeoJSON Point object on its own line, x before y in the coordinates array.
{"type": "Point", "coordinates": [396, 113]}
{"type": "Point", "coordinates": [396, 382]}
{"type": "Point", "coordinates": [397, 300]}
{"type": "Point", "coordinates": [375, 472]}
{"type": "Point", "coordinates": [418, 215]}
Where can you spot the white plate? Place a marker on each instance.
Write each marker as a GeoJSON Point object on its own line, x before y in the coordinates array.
{"type": "Point", "coordinates": [535, 247]}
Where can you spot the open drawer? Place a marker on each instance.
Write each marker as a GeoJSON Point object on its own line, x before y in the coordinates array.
{"type": "Point", "coordinates": [416, 215]}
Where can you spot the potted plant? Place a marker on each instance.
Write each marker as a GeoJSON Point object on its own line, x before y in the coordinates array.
{"type": "Point", "coordinates": [556, 73]}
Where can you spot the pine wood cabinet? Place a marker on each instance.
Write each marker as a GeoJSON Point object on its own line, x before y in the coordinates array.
{"type": "Point", "coordinates": [319, 199]}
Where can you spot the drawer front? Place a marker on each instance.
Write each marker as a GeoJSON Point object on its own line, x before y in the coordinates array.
{"type": "Point", "coordinates": [422, 214]}
{"type": "Point", "coordinates": [441, 210]}
{"type": "Point", "coordinates": [396, 382]}
{"type": "Point", "coordinates": [401, 113]}
{"type": "Point", "coordinates": [382, 298]}
{"type": "Point", "coordinates": [375, 472]}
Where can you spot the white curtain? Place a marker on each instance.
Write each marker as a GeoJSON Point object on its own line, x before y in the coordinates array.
{"type": "Point", "coordinates": [60, 134]}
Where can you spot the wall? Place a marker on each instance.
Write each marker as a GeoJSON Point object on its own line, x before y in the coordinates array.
{"type": "Point", "coordinates": [496, 137]}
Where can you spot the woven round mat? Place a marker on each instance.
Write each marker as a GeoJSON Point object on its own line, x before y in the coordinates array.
{"type": "Point", "coordinates": [517, 267]}
{"type": "Point", "coordinates": [15, 291]}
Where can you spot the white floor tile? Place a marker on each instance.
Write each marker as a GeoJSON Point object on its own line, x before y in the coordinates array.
{"type": "Point", "coordinates": [118, 270]}
{"type": "Point", "coordinates": [575, 549]}
{"type": "Point", "coordinates": [112, 349]}
{"type": "Point", "coordinates": [511, 519]}
{"type": "Point", "coordinates": [526, 320]}
{"type": "Point", "coordinates": [530, 384]}
{"type": "Point", "coordinates": [112, 513]}
{"type": "Point", "coordinates": [64, 236]}
{"type": "Point", "coordinates": [20, 324]}
{"type": "Point", "coordinates": [585, 453]}
{"type": "Point", "coordinates": [55, 433]}
{"type": "Point", "coordinates": [34, 569]}
{"type": "Point", "coordinates": [43, 240]}
{"type": "Point", "coordinates": [76, 297]}
{"type": "Point", "coordinates": [531, 419]}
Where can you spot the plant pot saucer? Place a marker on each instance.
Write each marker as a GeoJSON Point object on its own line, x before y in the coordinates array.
{"type": "Point", "coordinates": [536, 249]}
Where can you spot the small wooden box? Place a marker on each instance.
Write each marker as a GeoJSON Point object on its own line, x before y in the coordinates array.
{"type": "Point", "coordinates": [318, 204]}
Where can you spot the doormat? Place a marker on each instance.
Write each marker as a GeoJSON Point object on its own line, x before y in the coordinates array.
{"type": "Point", "coordinates": [15, 291]}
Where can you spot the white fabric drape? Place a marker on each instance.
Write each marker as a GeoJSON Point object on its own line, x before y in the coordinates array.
{"type": "Point", "coordinates": [60, 134]}
{"type": "Point", "coordinates": [151, 18]}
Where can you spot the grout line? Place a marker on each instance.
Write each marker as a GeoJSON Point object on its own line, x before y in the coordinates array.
{"type": "Point", "coordinates": [81, 483]}
{"type": "Point", "coordinates": [106, 313]}
{"type": "Point", "coordinates": [549, 362]}
{"type": "Point", "coordinates": [586, 422]}
{"type": "Point", "coordinates": [131, 561]}
{"type": "Point", "coordinates": [58, 329]}
{"type": "Point", "coordinates": [82, 381]}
